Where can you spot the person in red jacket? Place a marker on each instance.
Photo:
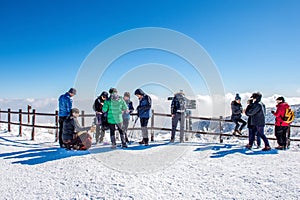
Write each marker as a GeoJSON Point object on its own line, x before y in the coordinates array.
{"type": "Point", "coordinates": [281, 127]}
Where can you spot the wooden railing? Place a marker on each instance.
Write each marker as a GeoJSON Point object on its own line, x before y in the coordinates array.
{"type": "Point", "coordinates": [31, 122]}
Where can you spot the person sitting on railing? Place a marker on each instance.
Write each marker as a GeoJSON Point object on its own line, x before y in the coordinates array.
{"type": "Point", "coordinates": [236, 115]}
{"type": "Point", "coordinates": [75, 136]}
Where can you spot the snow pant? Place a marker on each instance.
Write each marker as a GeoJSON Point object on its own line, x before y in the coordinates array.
{"type": "Point", "coordinates": [60, 132]}
{"type": "Point", "coordinates": [260, 132]}
{"type": "Point", "coordinates": [144, 124]}
{"type": "Point", "coordinates": [112, 128]}
{"type": "Point", "coordinates": [125, 127]}
{"type": "Point", "coordinates": [237, 125]}
{"type": "Point", "coordinates": [175, 119]}
{"type": "Point", "coordinates": [253, 133]}
{"type": "Point", "coordinates": [100, 132]}
{"type": "Point", "coordinates": [280, 133]}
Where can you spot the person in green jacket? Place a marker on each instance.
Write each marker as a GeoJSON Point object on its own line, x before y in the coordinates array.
{"type": "Point", "coordinates": [115, 106]}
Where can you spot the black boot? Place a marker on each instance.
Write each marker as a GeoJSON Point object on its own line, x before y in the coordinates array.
{"type": "Point", "coordinates": [142, 142]}
{"type": "Point", "coordinates": [152, 138]}
{"type": "Point", "coordinates": [146, 140]}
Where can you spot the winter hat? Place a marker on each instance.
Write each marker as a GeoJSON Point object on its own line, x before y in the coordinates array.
{"type": "Point", "coordinates": [280, 99]}
{"type": "Point", "coordinates": [256, 96]}
{"type": "Point", "coordinates": [127, 94]}
{"type": "Point", "coordinates": [237, 97]}
{"type": "Point", "coordinates": [139, 92]}
{"type": "Point", "coordinates": [75, 110]}
{"type": "Point", "coordinates": [72, 91]}
{"type": "Point", "coordinates": [104, 94]}
{"type": "Point", "coordinates": [113, 90]}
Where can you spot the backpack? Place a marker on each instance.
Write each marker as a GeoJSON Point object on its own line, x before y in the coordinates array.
{"type": "Point", "coordinates": [181, 101]}
{"type": "Point", "coordinates": [289, 116]}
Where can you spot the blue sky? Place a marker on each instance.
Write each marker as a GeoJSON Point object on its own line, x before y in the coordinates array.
{"type": "Point", "coordinates": [254, 43]}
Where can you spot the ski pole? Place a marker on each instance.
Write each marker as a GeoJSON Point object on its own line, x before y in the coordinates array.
{"type": "Point", "coordinates": [133, 128]}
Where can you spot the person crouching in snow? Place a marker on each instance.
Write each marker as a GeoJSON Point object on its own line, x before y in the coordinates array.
{"type": "Point", "coordinates": [71, 131]}
{"type": "Point", "coordinates": [236, 116]}
{"type": "Point", "coordinates": [115, 106]}
{"type": "Point", "coordinates": [281, 127]}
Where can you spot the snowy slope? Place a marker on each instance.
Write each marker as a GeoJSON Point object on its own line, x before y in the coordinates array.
{"type": "Point", "coordinates": [193, 170]}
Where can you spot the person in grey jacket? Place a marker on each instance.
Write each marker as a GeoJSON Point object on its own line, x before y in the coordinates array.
{"type": "Point", "coordinates": [257, 112]}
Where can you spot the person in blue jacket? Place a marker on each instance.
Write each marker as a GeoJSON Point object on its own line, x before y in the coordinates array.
{"type": "Point", "coordinates": [144, 113]}
{"type": "Point", "coordinates": [64, 106]}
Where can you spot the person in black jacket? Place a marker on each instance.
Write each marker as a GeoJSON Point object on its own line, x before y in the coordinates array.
{"type": "Point", "coordinates": [236, 115]}
{"type": "Point", "coordinates": [177, 110]}
{"type": "Point", "coordinates": [98, 104]}
{"type": "Point", "coordinates": [257, 112]}
{"type": "Point", "coordinates": [252, 129]}
{"type": "Point", "coordinates": [144, 113]}
{"type": "Point", "coordinates": [71, 128]}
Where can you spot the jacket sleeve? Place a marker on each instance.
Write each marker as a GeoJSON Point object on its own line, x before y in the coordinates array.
{"type": "Point", "coordinates": [105, 106]}
{"type": "Point", "coordinates": [79, 128]}
{"type": "Point", "coordinates": [279, 112]}
{"type": "Point", "coordinates": [148, 104]}
{"type": "Point", "coordinates": [124, 105]}
{"type": "Point", "coordinates": [69, 104]}
{"type": "Point", "coordinates": [255, 108]}
{"type": "Point", "coordinates": [130, 107]}
{"type": "Point", "coordinates": [235, 109]}
{"type": "Point", "coordinates": [173, 106]}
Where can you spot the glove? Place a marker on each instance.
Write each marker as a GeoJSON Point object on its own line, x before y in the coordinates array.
{"type": "Point", "coordinates": [272, 111]}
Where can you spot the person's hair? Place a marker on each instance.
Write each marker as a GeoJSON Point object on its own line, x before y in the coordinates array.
{"type": "Point", "coordinates": [75, 110]}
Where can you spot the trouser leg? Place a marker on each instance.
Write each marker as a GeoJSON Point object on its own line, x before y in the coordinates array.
{"type": "Point", "coordinates": [112, 128]}
{"type": "Point", "coordinates": [60, 133]}
{"type": "Point", "coordinates": [175, 120]}
{"type": "Point", "coordinates": [260, 132]}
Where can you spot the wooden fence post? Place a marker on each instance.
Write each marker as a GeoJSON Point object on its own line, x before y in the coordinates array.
{"type": "Point", "coordinates": [20, 121]}
{"type": "Point", "coordinates": [56, 124]}
{"type": "Point", "coordinates": [8, 120]}
{"type": "Point", "coordinates": [28, 113]}
{"type": "Point", "coordinates": [33, 124]}
{"type": "Point", "coordinates": [152, 125]}
{"type": "Point", "coordinates": [82, 118]}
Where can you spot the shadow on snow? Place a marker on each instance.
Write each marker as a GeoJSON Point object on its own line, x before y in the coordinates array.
{"type": "Point", "coordinates": [228, 149]}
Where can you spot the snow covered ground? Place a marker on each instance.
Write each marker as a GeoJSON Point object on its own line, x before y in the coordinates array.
{"type": "Point", "coordinates": [198, 169]}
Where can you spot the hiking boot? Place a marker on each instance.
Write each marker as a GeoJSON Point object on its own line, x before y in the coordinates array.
{"type": "Point", "coordinates": [124, 146]}
{"type": "Point", "coordinates": [234, 132]}
{"type": "Point", "coordinates": [239, 132]}
{"type": "Point", "coordinates": [267, 148]}
{"type": "Point", "coordinates": [113, 146]}
{"type": "Point", "coordinates": [248, 146]}
{"type": "Point", "coordinates": [279, 147]}
{"type": "Point", "coordinates": [152, 138]}
{"type": "Point", "coordinates": [172, 140]}
{"type": "Point", "coordinates": [146, 140]}
{"type": "Point", "coordinates": [142, 142]}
